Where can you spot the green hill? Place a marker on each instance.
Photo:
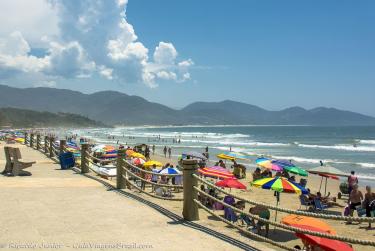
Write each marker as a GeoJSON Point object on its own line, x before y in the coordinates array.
{"type": "Point", "coordinates": [27, 118]}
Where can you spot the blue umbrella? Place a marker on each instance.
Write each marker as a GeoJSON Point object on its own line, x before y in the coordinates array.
{"type": "Point", "coordinates": [169, 170]}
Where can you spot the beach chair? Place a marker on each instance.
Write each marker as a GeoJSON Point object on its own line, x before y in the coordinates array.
{"type": "Point", "coordinates": [304, 203]}
{"type": "Point", "coordinates": [19, 164]}
{"type": "Point", "coordinates": [8, 165]}
{"type": "Point", "coordinates": [319, 206]}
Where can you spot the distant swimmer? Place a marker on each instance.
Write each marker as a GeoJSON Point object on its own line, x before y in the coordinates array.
{"type": "Point", "coordinates": [354, 145]}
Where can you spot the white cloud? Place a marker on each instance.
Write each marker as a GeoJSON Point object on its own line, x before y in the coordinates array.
{"type": "Point", "coordinates": [165, 54]}
{"type": "Point", "coordinates": [93, 37]}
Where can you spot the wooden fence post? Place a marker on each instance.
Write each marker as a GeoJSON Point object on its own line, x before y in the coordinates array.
{"type": "Point", "coordinates": [190, 208]}
{"type": "Point", "coordinates": [26, 135]}
{"type": "Point", "coordinates": [84, 161]}
{"type": "Point", "coordinates": [31, 140]}
{"type": "Point", "coordinates": [120, 180]}
{"type": "Point", "coordinates": [38, 141]}
{"type": "Point", "coordinates": [51, 152]}
{"type": "Point", "coordinates": [62, 145]}
{"type": "Point", "coordinates": [46, 140]}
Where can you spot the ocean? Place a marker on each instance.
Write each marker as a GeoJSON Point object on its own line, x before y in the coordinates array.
{"type": "Point", "coordinates": [346, 148]}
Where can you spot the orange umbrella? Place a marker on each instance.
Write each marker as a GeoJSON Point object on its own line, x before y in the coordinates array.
{"type": "Point", "coordinates": [303, 221]}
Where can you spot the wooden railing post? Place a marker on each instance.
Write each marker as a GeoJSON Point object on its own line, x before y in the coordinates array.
{"type": "Point", "coordinates": [51, 153]}
{"type": "Point", "coordinates": [31, 140]}
{"type": "Point", "coordinates": [38, 141]}
{"type": "Point", "coordinates": [46, 140]}
{"type": "Point", "coordinates": [120, 180]}
{"type": "Point", "coordinates": [26, 135]}
{"type": "Point", "coordinates": [84, 161]}
{"type": "Point", "coordinates": [190, 208]}
{"type": "Point", "coordinates": [62, 145]}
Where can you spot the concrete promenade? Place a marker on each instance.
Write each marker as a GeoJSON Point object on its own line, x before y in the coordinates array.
{"type": "Point", "coordinates": [62, 210]}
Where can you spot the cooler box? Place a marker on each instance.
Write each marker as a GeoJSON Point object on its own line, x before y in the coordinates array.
{"type": "Point", "coordinates": [66, 160]}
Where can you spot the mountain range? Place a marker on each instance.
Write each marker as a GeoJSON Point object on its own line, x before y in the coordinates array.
{"type": "Point", "coordinates": [21, 118]}
{"type": "Point", "coordinates": [116, 108]}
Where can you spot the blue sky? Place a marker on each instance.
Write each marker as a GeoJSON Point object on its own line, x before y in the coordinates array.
{"type": "Point", "coordinates": [273, 54]}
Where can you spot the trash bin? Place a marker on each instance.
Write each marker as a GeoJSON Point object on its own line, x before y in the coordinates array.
{"type": "Point", "coordinates": [67, 160]}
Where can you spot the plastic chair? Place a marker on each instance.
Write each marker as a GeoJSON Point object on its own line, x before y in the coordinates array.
{"type": "Point", "coordinates": [304, 202]}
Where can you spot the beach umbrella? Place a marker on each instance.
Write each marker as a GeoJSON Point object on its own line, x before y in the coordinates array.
{"type": "Point", "coordinates": [137, 155]}
{"type": "Point", "coordinates": [301, 221]}
{"type": "Point", "coordinates": [230, 183]}
{"type": "Point", "coordinates": [296, 170]}
{"type": "Point", "coordinates": [326, 172]}
{"type": "Point", "coordinates": [196, 155]}
{"type": "Point", "coordinates": [152, 163]}
{"type": "Point", "coordinates": [267, 163]}
{"type": "Point", "coordinates": [279, 184]}
{"type": "Point", "coordinates": [232, 156]}
{"type": "Point", "coordinates": [316, 225]}
{"type": "Point", "coordinates": [129, 152]}
{"type": "Point", "coordinates": [169, 170]}
{"type": "Point", "coordinates": [216, 172]}
{"type": "Point", "coordinates": [138, 161]}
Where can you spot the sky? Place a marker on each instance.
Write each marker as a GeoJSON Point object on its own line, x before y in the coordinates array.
{"type": "Point", "coordinates": [274, 54]}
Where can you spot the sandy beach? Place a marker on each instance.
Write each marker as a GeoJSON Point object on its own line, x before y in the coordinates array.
{"type": "Point", "coordinates": [291, 201]}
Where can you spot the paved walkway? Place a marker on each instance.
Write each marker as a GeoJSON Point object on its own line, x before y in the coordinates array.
{"type": "Point", "coordinates": [62, 210]}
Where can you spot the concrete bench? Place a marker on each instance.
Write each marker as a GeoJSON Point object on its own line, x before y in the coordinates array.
{"type": "Point", "coordinates": [15, 164]}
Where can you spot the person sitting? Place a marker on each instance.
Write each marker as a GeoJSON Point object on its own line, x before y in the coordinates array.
{"type": "Point", "coordinates": [221, 163]}
{"type": "Point", "coordinates": [263, 213]}
{"type": "Point", "coordinates": [257, 174]}
{"type": "Point", "coordinates": [327, 200]}
{"type": "Point", "coordinates": [243, 217]}
{"type": "Point", "coordinates": [292, 178]}
{"type": "Point", "coordinates": [285, 174]}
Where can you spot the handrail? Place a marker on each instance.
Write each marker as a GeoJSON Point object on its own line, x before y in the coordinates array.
{"type": "Point", "coordinates": [290, 228]}
{"type": "Point", "coordinates": [286, 210]}
{"type": "Point", "coordinates": [149, 172]}
{"type": "Point", "coordinates": [256, 236]}
{"type": "Point", "coordinates": [150, 182]}
{"type": "Point", "coordinates": [150, 194]}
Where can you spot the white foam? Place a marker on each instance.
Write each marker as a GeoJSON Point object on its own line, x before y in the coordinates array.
{"type": "Point", "coordinates": [341, 147]}
{"type": "Point", "coordinates": [367, 141]}
{"type": "Point", "coordinates": [367, 165]}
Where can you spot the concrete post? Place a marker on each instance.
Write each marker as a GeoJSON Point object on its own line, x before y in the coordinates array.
{"type": "Point", "coordinates": [38, 141]}
{"type": "Point", "coordinates": [84, 161]}
{"type": "Point", "coordinates": [31, 140]}
{"type": "Point", "coordinates": [51, 153]}
{"type": "Point", "coordinates": [62, 145]}
{"type": "Point", "coordinates": [190, 208]}
{"type": "Point", "coordinates": [120, 180]}
{"type": "Point", "coordinates": [26, 135]}
{"type": "Point", "coordinates": [46, 140]}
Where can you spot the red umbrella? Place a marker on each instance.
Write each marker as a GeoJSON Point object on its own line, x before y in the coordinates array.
{"type": "Point", "coordinates": [231, 183]}
{"type": "Point", "coordinates": [324, 243]}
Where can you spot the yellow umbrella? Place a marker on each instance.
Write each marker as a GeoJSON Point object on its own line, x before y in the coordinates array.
{"type": "Point", "coordinates": [151, 163]}
{"type": "Point", "coordinates": [20, 140]}
{"type": "Point", "coordinates": [137, 155]}
{"type": "Point", "coordinates": [224, 156]}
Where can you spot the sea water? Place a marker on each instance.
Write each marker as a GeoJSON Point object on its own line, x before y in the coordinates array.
{"type": "Point", "coordinates": [346, 148]}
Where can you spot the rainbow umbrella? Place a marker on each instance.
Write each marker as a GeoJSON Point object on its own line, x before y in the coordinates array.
{"type": "Point", "coordinates": [279, 184]}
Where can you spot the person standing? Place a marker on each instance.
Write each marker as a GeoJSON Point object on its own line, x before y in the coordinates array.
{"type": "Point", "coordinates": [169, 152]}
{"type": "Point", "coordinates": [355, 199]}
{"type": "Point", "coordinates": [153, 149]}
{"type": "Point", "coordinates": [369, 203]}
{"type": "Point", "coordinates": [352, 180]}
{"type": "Point", "coordinates": [165, 151]}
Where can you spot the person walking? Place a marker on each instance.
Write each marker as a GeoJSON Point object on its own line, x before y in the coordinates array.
{"type": "Point", "coordinates": [165, 151]}
{"type": "Point", "coordinates": [169, 152]}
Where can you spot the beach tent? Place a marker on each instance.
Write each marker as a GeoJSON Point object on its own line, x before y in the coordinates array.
{"type": "Point", "coordinates": [326, 172]}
